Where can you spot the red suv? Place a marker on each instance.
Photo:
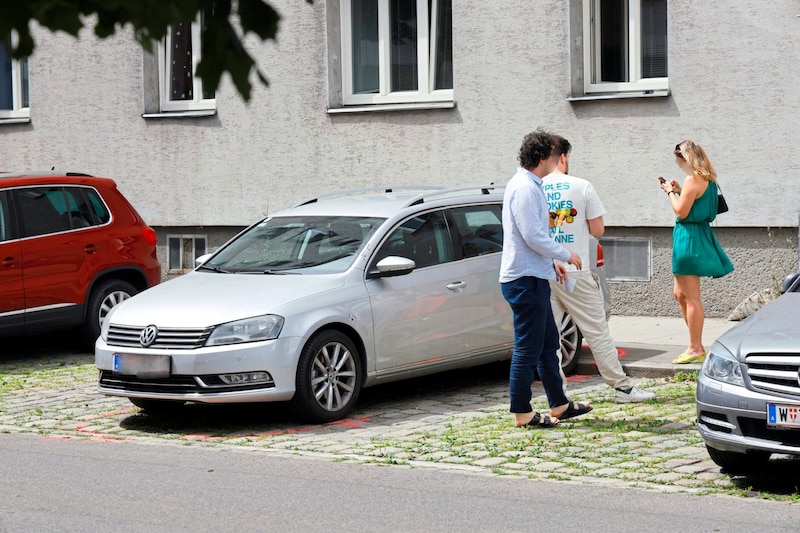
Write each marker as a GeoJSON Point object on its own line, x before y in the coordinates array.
{"type": "Point", "coordinates": [71, 248]}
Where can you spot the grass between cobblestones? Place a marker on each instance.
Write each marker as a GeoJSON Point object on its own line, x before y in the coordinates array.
{"type": "Point", "coordinates": [457, 425]}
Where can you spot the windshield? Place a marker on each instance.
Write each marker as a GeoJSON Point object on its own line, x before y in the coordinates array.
{"type": "Point", "coordinates": [307, 245]}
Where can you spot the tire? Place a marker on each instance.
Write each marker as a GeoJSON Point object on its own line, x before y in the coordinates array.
{"type": "Point", "coordinates": [329, 378]}
{"type": "Point", "coordinates": [571, 342]}
{"type": "Point", "coordinates": [103, 298]}
{"type": "Point", "coordinates": [156, 407]}
{"type": "Point", "coordinates": [739, 463]}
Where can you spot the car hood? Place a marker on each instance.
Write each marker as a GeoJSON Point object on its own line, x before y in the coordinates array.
{"type": "Point", "coordinates": [202, 299]}
{"type": "Point", "coordinates": [773, 329]}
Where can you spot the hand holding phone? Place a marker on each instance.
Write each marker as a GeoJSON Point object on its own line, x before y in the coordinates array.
{"type": "Point", "coordinates": [662, 180]}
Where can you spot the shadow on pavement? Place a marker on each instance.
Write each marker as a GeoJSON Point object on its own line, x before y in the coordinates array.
{"type": "Point", "coordinates": [273, 417]}
{"type": "Point", "coordinates": [781, 476]}
{"type": "Point", "coordinates": [47, 350]}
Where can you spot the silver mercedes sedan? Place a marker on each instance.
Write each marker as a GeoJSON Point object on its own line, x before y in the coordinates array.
{"type": "Point", "coordinates": [748, 391]}
{"type": "Point", "coordinates": [314, 303]}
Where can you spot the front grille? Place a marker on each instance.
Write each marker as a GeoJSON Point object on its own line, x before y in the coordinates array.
{"type": "Point", "coordinates": [774, 373]}
{"type": "Point", "coordinates": [752, 427]}
{"type": "Point", "coordinates": [167, 339]}
{"type": "Point", "coordinates": [173, 384]}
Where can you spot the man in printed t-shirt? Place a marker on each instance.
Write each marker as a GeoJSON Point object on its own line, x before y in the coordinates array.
{"type": "Point", "coordinates": [576, 212]}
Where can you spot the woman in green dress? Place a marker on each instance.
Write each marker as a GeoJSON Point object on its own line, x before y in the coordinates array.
{"type": "Point", "coordinates": [695, 250]}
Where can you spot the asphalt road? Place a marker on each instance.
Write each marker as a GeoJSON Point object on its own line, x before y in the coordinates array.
{"type": "Point", "coordinates": [78, 485]}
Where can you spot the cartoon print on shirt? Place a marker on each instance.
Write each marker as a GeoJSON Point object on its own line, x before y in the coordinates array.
{"type": "Point", "coordinates": [558, 217]}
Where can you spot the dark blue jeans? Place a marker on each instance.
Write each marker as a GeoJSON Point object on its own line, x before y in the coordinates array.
{"type": "Point", "coordinates": [536, 339]}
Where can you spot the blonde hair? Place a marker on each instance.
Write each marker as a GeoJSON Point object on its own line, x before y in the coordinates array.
{"type": "Point", "coordinates": [693, 153]}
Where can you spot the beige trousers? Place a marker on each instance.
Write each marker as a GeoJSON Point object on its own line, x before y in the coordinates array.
{"type": "Point", "coordinates": [585, 305]}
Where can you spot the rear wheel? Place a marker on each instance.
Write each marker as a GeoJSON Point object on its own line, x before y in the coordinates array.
{"type": "Point", "coordinates": [103, 298]}
{"type": "Point", "coordinates": [156, 407]}
{"type": "Point", "coordinates": [571, 341]}
{"type": "Point", "coordinates": [329, 378]}
{"type": "Point", "coordinates": [739, 463]}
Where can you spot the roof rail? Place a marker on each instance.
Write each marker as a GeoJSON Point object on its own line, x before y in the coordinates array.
{"type": "Point", "coordinates": [483, 189]}
{"type": "Point", "coordinates": [365, 190]}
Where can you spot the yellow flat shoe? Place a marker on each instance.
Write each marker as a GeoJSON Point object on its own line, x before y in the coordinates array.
{"type": "Point", "coordinates": [684, 358]}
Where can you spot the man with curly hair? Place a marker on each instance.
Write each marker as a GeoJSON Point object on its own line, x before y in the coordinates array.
{"type": "Point", "coordinates": [526, 267]}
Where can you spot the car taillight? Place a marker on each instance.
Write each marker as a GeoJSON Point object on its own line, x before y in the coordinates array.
{"type": "Point", "coordinates": [600, 260]}
{"type": "Point", "coordinates": [149, 235]}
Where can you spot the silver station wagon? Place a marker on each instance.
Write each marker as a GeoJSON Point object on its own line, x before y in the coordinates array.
{"type": "Point", "coordinates": [315, 302]}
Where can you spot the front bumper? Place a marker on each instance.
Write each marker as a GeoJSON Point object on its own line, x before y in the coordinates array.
{"type": "Point", "coordinates": [734, 419]}
{"type": "Point", "coordinates": [193, 374]}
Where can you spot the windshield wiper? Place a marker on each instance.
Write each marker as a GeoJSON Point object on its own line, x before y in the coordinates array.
{"type": "Point", "coordinates": [267, 271]}
{"type": "Point", "coordinates": [214, 269]}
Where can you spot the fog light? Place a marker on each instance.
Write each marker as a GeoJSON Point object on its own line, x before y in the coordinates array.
{"type": "Point", "coordinates": [245, 378]}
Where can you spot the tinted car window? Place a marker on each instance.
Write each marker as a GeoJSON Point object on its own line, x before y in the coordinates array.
{"type": "Point", "coordinates": [480, 229]}
{"type": "Point", "coordinates": [80, 213]}
{"type": "Point", "coordinates": [425, 239]}
{"type": "Point", "coordinates": [41, 209]}
{"type": "Point", "coordinates": [5, 219]}
{"type": "Point", "coordinates": [97, 206]}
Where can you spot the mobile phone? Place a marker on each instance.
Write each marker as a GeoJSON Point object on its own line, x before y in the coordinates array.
{"type": "Point", "coordinates": [662, 180]}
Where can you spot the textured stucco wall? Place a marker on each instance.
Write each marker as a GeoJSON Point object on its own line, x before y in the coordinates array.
{"type": "Point", "coordinates": [762, 258]}
{"type": "Point", "coordinates": [734, 88]}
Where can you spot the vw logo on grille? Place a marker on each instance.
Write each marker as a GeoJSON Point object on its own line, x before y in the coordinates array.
{"type": "Point", "coordinates": [148, 336]}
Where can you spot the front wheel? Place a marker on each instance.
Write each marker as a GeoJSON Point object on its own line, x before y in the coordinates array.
{"type": "Point", "coordinates": [329, 378]}
{"type": "Point", "coordinates": [103, 298]}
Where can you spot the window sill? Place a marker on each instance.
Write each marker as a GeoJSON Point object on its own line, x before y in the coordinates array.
{"type": "Point", "coordinates": [20, 120]}
{"type": "Point", "coordinates": [619, 96]}
{"type": "Point", "coordinates": [381, 108]}
{"type": "Point", "coordinates": [181, 114]}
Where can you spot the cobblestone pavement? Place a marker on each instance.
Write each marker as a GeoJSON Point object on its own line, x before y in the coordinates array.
{"type": "Point", "coordinates": [457, 420]}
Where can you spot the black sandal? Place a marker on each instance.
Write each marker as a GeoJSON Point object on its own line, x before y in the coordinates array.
{"type": "Point", "coordinates": [540, 421]}
{"type": "Point", "coordinates": [575, 409]}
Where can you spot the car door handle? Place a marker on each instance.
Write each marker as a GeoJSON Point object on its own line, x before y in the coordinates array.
{"type": "Point", "coordinates": [9, 262]}
{"type": "Point", "coordinates": [90, 249]}
{"type": "Point", "coordinates": [456, 285]}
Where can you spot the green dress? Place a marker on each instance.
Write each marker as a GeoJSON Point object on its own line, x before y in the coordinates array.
{"type": "Point", "coordinates": [695, 250]}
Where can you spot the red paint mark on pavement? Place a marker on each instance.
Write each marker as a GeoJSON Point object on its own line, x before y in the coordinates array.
{"type": "Point", "coordinates": [579, 378]}
{"type": "Point", "coordinates": [111, 413]}
{"type": "Point", "coordinates": [350, 423]}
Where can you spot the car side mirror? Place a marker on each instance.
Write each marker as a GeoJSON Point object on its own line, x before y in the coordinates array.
{"type": "Point", "coordinates": [202, 259]}
{"type": "Point", "coordinates": [791, 283]}
{"type": "Point", "coordinates": [392, 266]}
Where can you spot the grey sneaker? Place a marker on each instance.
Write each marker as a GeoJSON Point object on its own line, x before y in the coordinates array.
{"type": "Point", "coordinates": [635, 395]}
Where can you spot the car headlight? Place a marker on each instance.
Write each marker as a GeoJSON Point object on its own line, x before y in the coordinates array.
{"type": "Point", "coordinates": [722, 366]}
{"type": "Point", "coordinates": [259, 328]}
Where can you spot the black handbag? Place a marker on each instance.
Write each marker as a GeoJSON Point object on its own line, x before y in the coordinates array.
{"type": "Point", "coordinates": [722, 205]}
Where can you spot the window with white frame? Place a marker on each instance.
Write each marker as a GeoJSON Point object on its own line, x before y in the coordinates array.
{"type": "Point", "coordinates": [396, 51]}
{"type": "Point", "coordinates": [625, 45]}
{"type": "Point", "coordinates": [14, 101]}
{"type": "Point", "coordinates": [183, 250]}
{"type": "Point", "coordinates": [178, 56]}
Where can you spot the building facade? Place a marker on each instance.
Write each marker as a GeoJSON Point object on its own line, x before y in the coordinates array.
{"type": "Point", "coordinates": [397, 92]}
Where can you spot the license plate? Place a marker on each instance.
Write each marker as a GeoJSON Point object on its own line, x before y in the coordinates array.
{"type": "Point", "coordinates": [783, 415]}
{"type": "Point", "coordinates": [142, 366]}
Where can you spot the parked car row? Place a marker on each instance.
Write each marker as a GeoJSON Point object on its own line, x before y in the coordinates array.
{"type": "Point", "coordinates": [71, 248]}
{"type": "Point", "coordinates": [337, 293]}
{"type": "Point", "coordinates": [315, 302]}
